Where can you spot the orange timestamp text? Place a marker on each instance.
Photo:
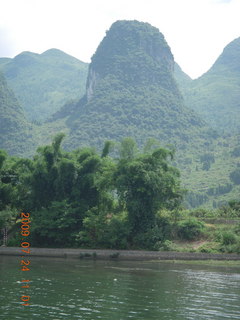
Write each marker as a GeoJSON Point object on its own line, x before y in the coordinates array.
{"type": "Point", "coordinates": [25, 252]}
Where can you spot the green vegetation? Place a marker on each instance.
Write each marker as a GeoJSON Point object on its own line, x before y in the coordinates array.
{"type": "Point", "coordinates": [190, 229]}
{"type": "Point", "coordinates": [16, 134]}
{"type": "Point", "coordinates": [92, 198]}
{"type": "Point", "coordinates": [131, 92]}
{"type": "Point", "coordinates": [130, 200]}
{"type": "Point", "coordinates": [43, 83]}
{"type": "Point", "coordinates": [216, 94]}
{"type": "Point", "coordinates": [235, 176]}
{"type": "Point", "coordinates": [211, 187]}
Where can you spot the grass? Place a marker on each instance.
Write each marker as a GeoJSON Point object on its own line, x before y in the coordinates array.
{"type": "Point", "coordinates": [216, 238]}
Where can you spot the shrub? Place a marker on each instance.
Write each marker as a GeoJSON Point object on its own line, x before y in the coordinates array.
{"type": "Point", "coordinates": [190, 229]}
{"type": "Point", "coordinates": [228, 238]}
{"type": "Point", "coordinates": [98, 231]}
{"type": "Point", "coordinates": [237, 229]}
{"type": "Point", "coordinates": [149, 239]}
{"type": "Point", "coordinates": [212, 247]}
{"type": "Point", "coordinates": [202, 213]}
{"type": "Point", "coordinates": [164, 226]}
{"type": "Point", "coordinates": [237, 246]}
{"type": "Point", "coordinates": [168, 245]}
{"type": "Point", "coordinates": [153, 238]}
{"type": "Point", "coordinates": [232, 248]}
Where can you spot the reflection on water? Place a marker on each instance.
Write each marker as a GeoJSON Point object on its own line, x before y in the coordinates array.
{"type": "Point", "coordinates": [112, 290]}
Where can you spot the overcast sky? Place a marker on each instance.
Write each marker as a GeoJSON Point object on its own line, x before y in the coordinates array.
{"type": "Point", "coordinates": [196, 30]}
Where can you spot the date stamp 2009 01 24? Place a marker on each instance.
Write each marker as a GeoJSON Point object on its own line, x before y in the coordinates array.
{"type": "Point", "coordinates": [25, 261]}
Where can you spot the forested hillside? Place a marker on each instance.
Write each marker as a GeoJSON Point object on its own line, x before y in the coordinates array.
{"type": "Point", "coordinates": [131, 91]}
{"type": "Point", "coordinates": [16, 133]}
{"type": "Point", "coordinates": [43, 83]}
{"type": "Point", "coordinates": [135, 89]}
{"type": "Point", "coordinates": [216, 94]}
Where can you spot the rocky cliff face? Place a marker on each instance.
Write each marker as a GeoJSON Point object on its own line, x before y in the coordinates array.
{"type": "Point", "coordinates": [131, 91]}
{"type": "Point", "coordinates": [92, 81]}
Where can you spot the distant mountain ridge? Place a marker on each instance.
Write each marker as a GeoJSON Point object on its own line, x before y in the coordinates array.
{"type": "Point", "coordinates": [216, 94]}
{"type": "Point", "coordinates": [44, 82]}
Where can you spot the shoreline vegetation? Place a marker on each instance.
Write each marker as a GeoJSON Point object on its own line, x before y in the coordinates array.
{"type": "Point", "coordinates": [130, 200]}
{"type": "Point", "coordinates": [108, 254]}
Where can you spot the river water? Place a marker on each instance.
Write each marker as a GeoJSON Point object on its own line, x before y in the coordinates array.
{"type": "Point", "coordinates": [118, 290]}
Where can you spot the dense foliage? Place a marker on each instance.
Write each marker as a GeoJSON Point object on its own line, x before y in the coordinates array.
{"type": "Point", "coordinates": [43, 83]}
{"type": "Point", "coordinates": [15, 131]}
{"type": "Point", "coordinates": [131, 91]}
{"type": "Point", "coordinates": [120, 198]}
{"type": "Point", "coordinates": [89, 199]}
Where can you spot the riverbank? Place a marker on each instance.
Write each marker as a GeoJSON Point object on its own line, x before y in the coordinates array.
{"type": "Point", "coordinates": [116, 254]}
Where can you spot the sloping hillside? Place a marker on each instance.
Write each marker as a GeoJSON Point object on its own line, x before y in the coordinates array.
{"type": "Point", "coordinates": [216, 94]}
{"type": "Point", "coordinates": [131, 91]}
{"type": "Point", "coordinates": [16, 133]}
{"type": "Point", "coordinates": [44, 82]}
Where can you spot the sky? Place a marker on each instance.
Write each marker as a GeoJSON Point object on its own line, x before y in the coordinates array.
{"type": "Point", "coordinates": [196, 30]}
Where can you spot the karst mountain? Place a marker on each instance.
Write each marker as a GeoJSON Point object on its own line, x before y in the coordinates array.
{"type": "Point", "coordinates": [131, 91]}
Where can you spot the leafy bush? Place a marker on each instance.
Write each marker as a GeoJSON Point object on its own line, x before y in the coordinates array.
{"type": "Point", "coordinates": [211, 247]}
{"type": "Point", "coordinates": [229, 211]}
{"type": "Point", "coordinates": [190, 229]}
{"type": "Point", "coordinates": [149, 239]}
{"type": "Point", "coordinates": [237, 229]}
{"type": "Point", "coordinates": [168, 245]}
{"type": "Point", "coordinates": [235, 206]}
{"type": "Point", "coordinates": [164, 226]}
{"type": "Point", "coordinates": [202, 213]}
{"type": "Point", "coordinates": [153, 238]}
{"type": "Point", "coordinates": [228, 238]}
{"type": "Point", "coordinates": [232, 248]}
{"type": "Point", "coordinates": [100, 231]}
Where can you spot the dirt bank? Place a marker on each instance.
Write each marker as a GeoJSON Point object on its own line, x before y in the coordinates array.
{"type": "Point", "coordinates": [115, 254]}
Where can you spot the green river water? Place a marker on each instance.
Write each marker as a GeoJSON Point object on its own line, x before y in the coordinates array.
{"type": "Point", "coordinates": [118, 290]}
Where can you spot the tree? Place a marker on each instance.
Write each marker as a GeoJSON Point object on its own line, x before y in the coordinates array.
{"type": "Point", "coordinates": [146, 184]}
{"type": "Point", "coordinates": [10, 184]}
{"type": "Point", "coordinates": [107, 148]}
{"type": "Point", "coordinates": [46, 173]}
{"type": "Point", "coordinates": [128, 149]}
